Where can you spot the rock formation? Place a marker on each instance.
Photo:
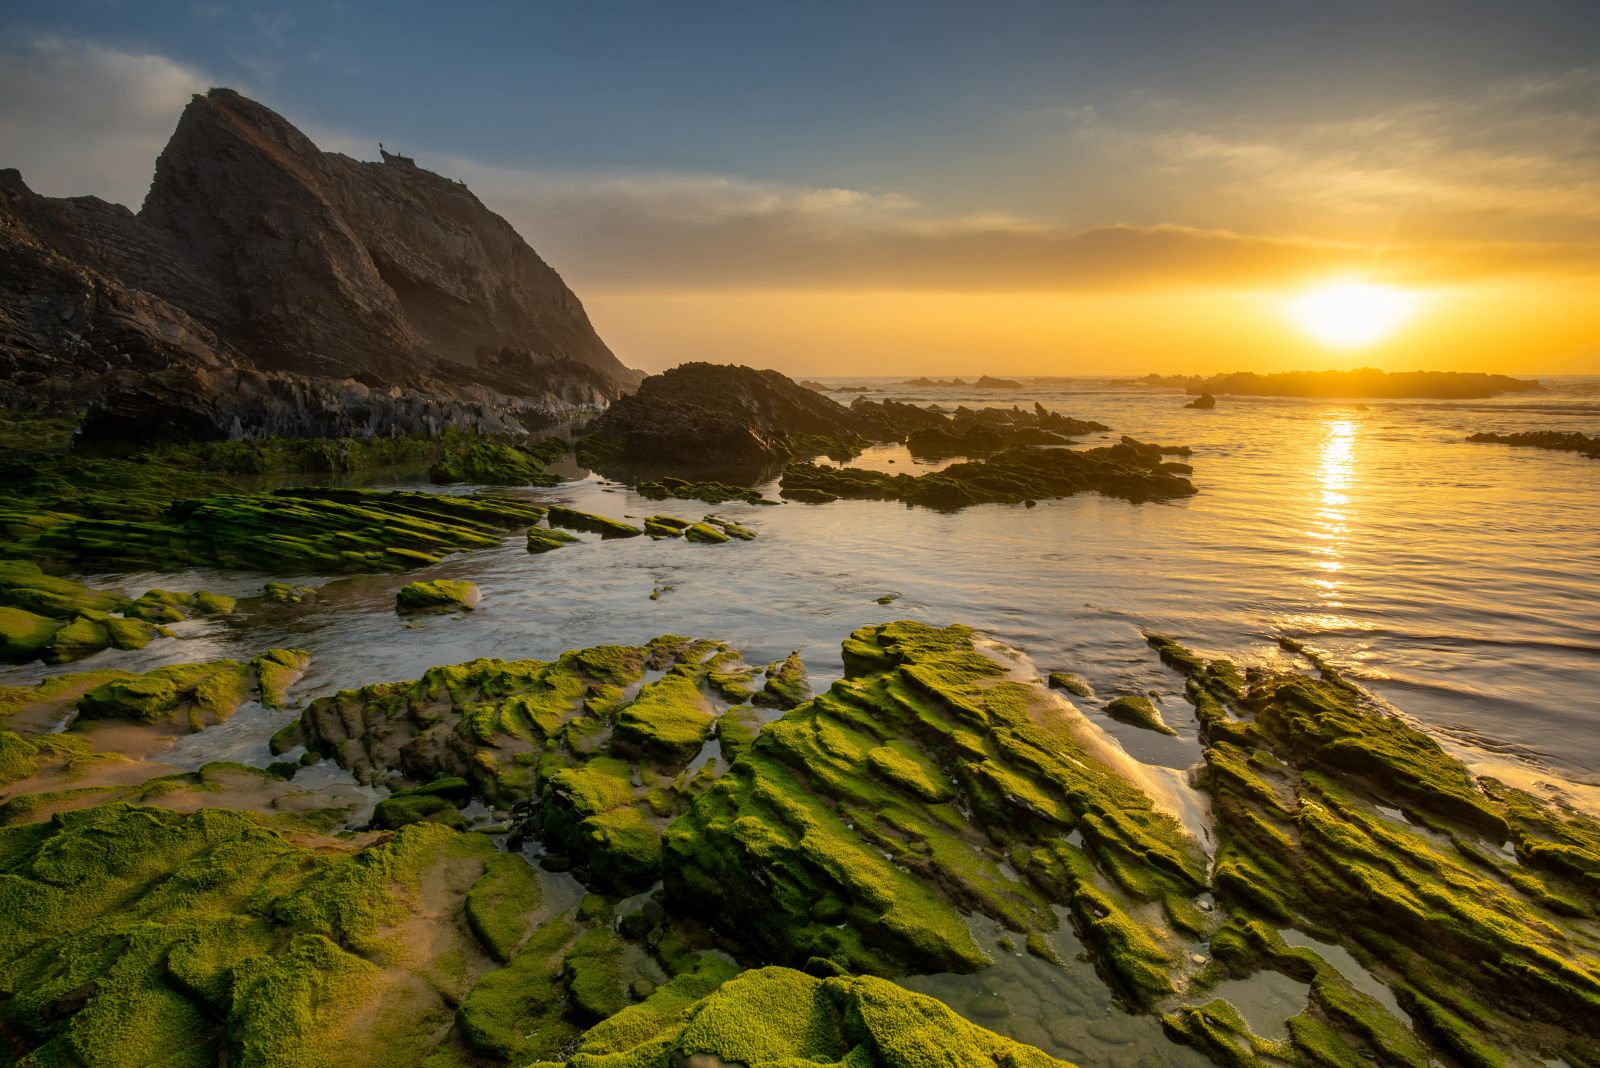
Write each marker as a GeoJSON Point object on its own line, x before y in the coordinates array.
{"type": "Point", "coordinates": [705, 415]}
{"type": "Point", "coordinates": [278, 285]}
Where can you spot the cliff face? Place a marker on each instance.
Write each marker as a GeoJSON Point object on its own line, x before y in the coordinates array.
{"type": "Point", "coordinates": [255, 251]}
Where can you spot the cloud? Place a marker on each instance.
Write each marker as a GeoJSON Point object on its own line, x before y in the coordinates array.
{"type": "Point", "coordinates": [659, 232]}
{"type": "Point", "coordinates": [1517, 160]}
{"type": "Point", "coordinates": [79, 118]}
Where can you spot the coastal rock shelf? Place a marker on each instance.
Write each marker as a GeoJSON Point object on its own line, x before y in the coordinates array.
{"type": "Point", "coordinates": [731, 867]}
{"type": "Point", "coordinates": [1130, 470]}
{"type": "Point", "coordinates": [306, 529]}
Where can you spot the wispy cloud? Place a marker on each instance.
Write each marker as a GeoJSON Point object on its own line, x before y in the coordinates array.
{"type": "Point", "coordinates": [1260, 204]}
{"type": "Point", "coordinates": [78, 117]}
{"type": "Point", "coordinates": [1519, 159]}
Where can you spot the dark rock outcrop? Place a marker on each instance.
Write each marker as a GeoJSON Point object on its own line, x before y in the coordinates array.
{"type": "Point", "coordinates": [702, 415]}
{"type": "Point", "coordinates": [1204, 402]}
{"type": "Point", "coordinates": [1555, 440]}
{"type": "Point", "coordinates": [259, 255]}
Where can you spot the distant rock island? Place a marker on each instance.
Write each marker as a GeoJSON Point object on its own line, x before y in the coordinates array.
{"type": "Point", "coordinates": [984, 382]}
{"type": "Point", "coordinates": [1365, 382]}
{"type": "Point", "coordinates": [266, 286]}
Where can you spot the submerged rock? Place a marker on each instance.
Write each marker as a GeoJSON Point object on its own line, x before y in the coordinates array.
{"type": "Point", "coordinates": [437, 595]}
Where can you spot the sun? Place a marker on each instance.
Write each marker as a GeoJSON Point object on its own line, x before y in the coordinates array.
{"type": "Point", "coordinates": [1348, 314]}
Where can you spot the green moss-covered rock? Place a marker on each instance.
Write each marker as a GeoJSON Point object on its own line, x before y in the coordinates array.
{"type": "Point", "coordinates": [138, 936]}
{"type": "Point", "coordinates": [603, 752]}
{"type": "Point", "coordinates": [195, 695]}
{"type": "Point", "coordinates": [24, 635]}
{"type": "Point", "coordinates": [705, 533]}
{"type": "Point", "coordinates": [542, 539]}
{"type": "Point", "coordinates": [437, 595]}
{"type": "Point", "coordinates": [572, 519]}
{"type": "Point", "coordinates": [1306, 774]}
{"type": "Point", "coordinates": [905, 795]}
{"type": "Point", "coordinates": [710, 492]}
{"type": "Point", "coordinates": [498, 463]}
{"type": "Point", "coordinates": [80, 638]}
{"type": "Point", "coordinates": [1138, 712]}
{"type": "Point", "coordinates": [1071, 682]}
{"type": "Point", "coordinates": [666, 526]}
{"type": "Point", "coordinates": [773, 1016]}
{"type": "Point", "coordinates": [317, 529]}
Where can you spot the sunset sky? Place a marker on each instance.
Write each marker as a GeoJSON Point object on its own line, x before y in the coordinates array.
{"type": "Point", "coordinates": [1051, 188]}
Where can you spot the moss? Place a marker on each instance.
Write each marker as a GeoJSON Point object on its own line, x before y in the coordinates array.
{"type": "Point", "coordinates": [517, 1013]}
{"type": "Point", "coordinates": [732, 529]}
{"type": "Point", "coordinates": [502, 903]}
{"type": "Point", "coordinates": [705, 533]}
{"type": "Point", "coordinates": [666, 526]}
{"type": "Point", "coordinates": [1478, 950]}
{"type": "Point", "coordinates": [1071, 682]}
{"type": "Point", "coordinates": [710, 492]}
{"type": "Point", "coordinates": [786, 685]}
{"type": "Point", "coordinates": [670, 715]}
{"type": "Point", "coordinates": [24, 635]}
{"type": "Point", "coordinates": [776, 1016]}
{"type": "Point", "coordinates": [572, 519]}
{"type": "Point", "coordinates": [437, 595]}
{"type": "Point", "coordinates": [498, 462]}
{"type": "Point", "coordinates": [132, 633]}
{"type": "Point", "coordinates": [302, 529]}
{"type": "Point", "coordinates": [1138, 712]}
{"type": "Point", "coordinates": [542, 540]}
{"type": "Point", "coordinates": [187, 938]}
{"type": "Point", "coordinates": [277, 670]}
{"type": "Point", "coordinates": [594, 975]}
{"type": "Point", "coordinates": [1215, 1029]}
{"type": "Point", "coordinates": [80, 638]}
{"type": "Point", "coordinates": [392, 813]}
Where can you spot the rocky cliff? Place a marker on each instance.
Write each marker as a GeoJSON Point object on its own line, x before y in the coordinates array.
{"type": "Point", "coordinates": [259, 259]}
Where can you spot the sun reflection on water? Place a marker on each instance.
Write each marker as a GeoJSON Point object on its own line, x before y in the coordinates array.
{"type": "Point", "coordinates": [1335, 475]}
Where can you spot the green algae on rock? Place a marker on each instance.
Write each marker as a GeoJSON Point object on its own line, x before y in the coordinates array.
{"type": "Point", "coordinates": [604, 526]}
{"type": "Point", "coordinates": [201, 938]}
{"type": "Point", "coordinates": [710, 492]}
{"type": "Point", "coordinates": [544, 539]}
{"type": "Point", "coordinates": [437, 595]}
{"type": "Point", "coordinates": [303, 529]}
{"type": "Point", "coordinates": [601, 752]}
{"type": "Point", "coordinates": [1138, 711]}
{"type": "Point", "coordinates": [57, 620]}
{"type": "Point", "coordinates": [772, 1016]}
{"type": "Point", "coordinates": [1130, 470]}
{"type": "Point", "coordinates": [926, 783]}
{"type": "Point", "coordinates": [1340, 819]}
{"type": "Point", "coordinates": [498, 462]}
{"type": "Point", "coordinates": [196, 694]}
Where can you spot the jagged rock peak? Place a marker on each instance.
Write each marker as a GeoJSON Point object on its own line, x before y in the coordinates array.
{"type": "Point", "coordinates": [258, 251]}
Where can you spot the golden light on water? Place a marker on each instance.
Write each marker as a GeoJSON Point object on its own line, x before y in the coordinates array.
{"type": "Point", "coordinates": [1349, 314]}
{"type": "Point", "coordinates": [1335, 473]}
